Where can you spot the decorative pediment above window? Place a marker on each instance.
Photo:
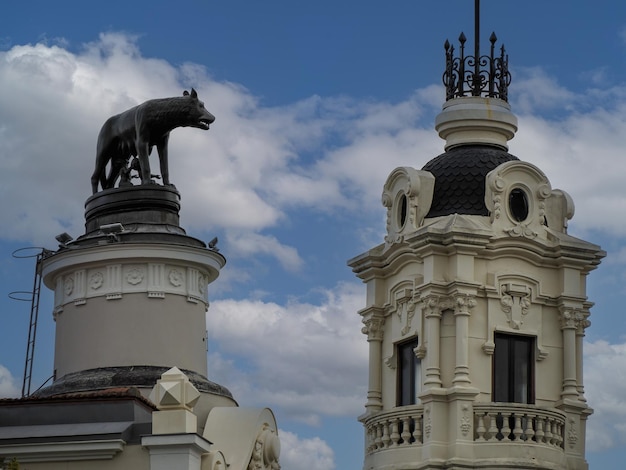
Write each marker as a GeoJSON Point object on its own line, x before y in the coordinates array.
{"type": "Point", "coordinates": [522, 203]}
{"type": "Point", "coordinates": [407, 195]}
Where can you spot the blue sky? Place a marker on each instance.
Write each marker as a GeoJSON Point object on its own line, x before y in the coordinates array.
{"type": "Point", "coordinates": [316, 104]}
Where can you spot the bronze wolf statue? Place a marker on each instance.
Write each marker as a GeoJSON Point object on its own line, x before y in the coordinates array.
{"type": "Point", "coordinates": [136, 131]}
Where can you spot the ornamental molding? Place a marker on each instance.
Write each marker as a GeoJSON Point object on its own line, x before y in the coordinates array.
{"type": "Point", "coordinates": [574, 318]}
{"type": "Point", "coordinates": [407, 195]}
{"type": "Point", "coordinates": [466, 423]}
{"type": "Point", "coordinates": [391, 361]}
{"type": "Point", "coordinates": [521, 201]}
{"type": "Point", "coordinates": [428, 422]}
{"type": "Point", "coordinates": [464, 303]}
{"type": "Point", "coordinates": [521, 230]}
{"type": "Point", "coordinates": [434, 305]}
{"type": "Point", "coordinates": [176, 277]}
{"type": "Point", "coordinates": [374, 328]}
{"type": "Point", "coordinates": [572, 434]}
{"type": "Point", "coordinates": [403, 303]}
{"type": "Point", "coordinates": [420, 351]}
{"type": "Point", "coordinates": [516, 306]}
{"type": "Point", "coordinates": [135, 276]}
{"type": "Point", "coordinates": [515, 301]}
{"type": "Point", "coordinates": [96, 280]}
{"type": "Point", "coordinates": [266, 451]}
{"type": "Point", "coordinates": [104, 449]}
{"type": "Point", "coordinates": [113, 281]}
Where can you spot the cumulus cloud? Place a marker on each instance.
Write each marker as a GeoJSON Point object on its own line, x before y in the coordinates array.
{"type": "Point", "coordinates": [254, 165]}
{"type": "Point", "coordinates": [258, 163]}
{"type": "Point", "coordinates": [250, 244]}
{"type": "Point", "coordinates": [8, 384]}
{"type": "Point", "coordinates": [303, 454]}
{"type": "Point", "coordinates": [303, 359]}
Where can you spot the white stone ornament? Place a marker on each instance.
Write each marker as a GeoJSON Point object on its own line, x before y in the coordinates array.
{"type": "Point", "coordinates": [407, 195]}
{"type": "Point", "coordinates": [174, 391]}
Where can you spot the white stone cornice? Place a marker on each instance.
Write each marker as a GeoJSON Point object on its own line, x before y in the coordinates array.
{"type": "Point", "coordinates": [64, 451]}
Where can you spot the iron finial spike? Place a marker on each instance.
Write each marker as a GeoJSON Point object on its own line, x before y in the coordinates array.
{"type": "Point", "coordinates": [476, 28]}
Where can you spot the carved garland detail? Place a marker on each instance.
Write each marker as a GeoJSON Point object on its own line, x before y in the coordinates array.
{"type": "Point", "coordinates": [466, 422]}
{"type": "Point", "coordinates": [266, 451]}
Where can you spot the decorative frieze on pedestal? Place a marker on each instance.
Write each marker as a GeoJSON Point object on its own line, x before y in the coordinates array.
{"type": "Point", "coordinates": [113, 281]}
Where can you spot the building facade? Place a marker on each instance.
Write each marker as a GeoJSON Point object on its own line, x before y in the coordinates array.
{"type": "Point", "coordinates": [476, 303]}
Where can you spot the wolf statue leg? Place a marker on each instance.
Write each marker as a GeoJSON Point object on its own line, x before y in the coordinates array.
{"type": "Point", "coordinates": [143, 152]}
{"type": "Point", "coordinates": [162, 151]}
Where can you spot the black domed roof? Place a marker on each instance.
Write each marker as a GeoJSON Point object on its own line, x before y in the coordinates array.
{"type": "Point", "coordinates": [460, 178]}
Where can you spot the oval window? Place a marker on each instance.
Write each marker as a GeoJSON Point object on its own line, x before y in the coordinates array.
{"type": "Point", "coordinates": [402, 211]}
{"type": "Point", "coordinates": [518, 204]}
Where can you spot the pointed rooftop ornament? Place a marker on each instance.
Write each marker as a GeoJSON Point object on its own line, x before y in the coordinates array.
{"type": "Point", "coordinates": [476, 75]}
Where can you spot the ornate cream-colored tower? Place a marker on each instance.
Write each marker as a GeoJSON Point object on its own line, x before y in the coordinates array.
{"type": "Point", "coordinates": [476, 304]}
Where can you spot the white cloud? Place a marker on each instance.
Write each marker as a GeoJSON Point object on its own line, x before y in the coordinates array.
{"type": "Point", "coordinates": [302, 359]}
{"type": "Point", "coordinates": [535, 90]}
{"type": "Point", "coordinates": [8, 384]}
{"type": "Point", "coordinates": [245, 173]}
{"type": "Point", "coordinates": [259, 163]}
{"type": "Point", "coordinates": [605, 388]}
{"type": "Point", "coordinates": [250, 244]}
{"type": "Point", "coordinates": [304, 454]}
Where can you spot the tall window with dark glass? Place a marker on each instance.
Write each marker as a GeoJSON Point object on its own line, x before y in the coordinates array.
{"type": "Point", "coordinates": [513, 371]}
{"type": "Point", "coordinates": [409, 373]}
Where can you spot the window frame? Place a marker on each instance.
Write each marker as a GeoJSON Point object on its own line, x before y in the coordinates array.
{"type": "Point", "coordinates": [406, 349]}
{"type": "Point", "coordinates": [506, 361]}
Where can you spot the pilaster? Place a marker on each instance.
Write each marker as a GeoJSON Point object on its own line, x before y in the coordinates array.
{"type": "Point", "coordinates": [432, 313]}
{"type": "Point", "coordinates": [374, 321]}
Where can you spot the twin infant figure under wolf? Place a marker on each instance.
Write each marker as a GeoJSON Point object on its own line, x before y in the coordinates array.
{"type": "Point", "coordinates": [136, 131]}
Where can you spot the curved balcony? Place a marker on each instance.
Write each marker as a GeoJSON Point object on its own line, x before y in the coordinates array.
{"type": "Point", "coordinates": [511, 422]}
{"type": "Point", "coordinates": [401, 427]}
{"type": "Point", "coordinates": [494, 423]}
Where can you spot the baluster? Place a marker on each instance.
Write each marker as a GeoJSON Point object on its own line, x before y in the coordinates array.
{"type": "Point", "coordinates": [548, 436]}
{"type": "Point", "coordinates": [395, 435]}
{"type": "Point", "coordinates": [559, 434]}
{"type": "Point", "coordinates": [529, 432]}
{"type": "Point", "coordinates": [517, 429]}
{"type": "Point", "coordinates": [379, 434]}
{"type": "Point", "coordinates": [385, 439]}
{"type": "Point", "coordinates": [539, 435]}
{"type": "Point", "coordinates": [506, 427]}
{"type": "Point", "coordinates": [406, 434]}
{"type": "Point", "coordinates": [374, 432]}
{"type": "Point", "coordinates": [480, 428]}
{"type": "Point", "coordinates": [493, 427]}
{"type": "Point", "coordinates": [368, 440]}
{"type": "Point", "coordinates": [417, 432]}
{"type": "Point", "coordinates": [555, 433]}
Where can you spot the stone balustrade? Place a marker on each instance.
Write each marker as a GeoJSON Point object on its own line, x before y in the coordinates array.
{"type": "Point", "coordinates": [508, 422]}
{"type": "Point", "coordinates": [403, 426]}
{"type": "Point", "coordinates": [493, 423]}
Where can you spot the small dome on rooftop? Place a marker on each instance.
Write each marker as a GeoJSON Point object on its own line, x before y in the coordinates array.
{"type": "Point", "coordinates": [460, 175]}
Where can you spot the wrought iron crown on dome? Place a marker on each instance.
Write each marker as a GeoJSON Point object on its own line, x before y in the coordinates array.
{"type": "Point", "coordinates": [476, 75]}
